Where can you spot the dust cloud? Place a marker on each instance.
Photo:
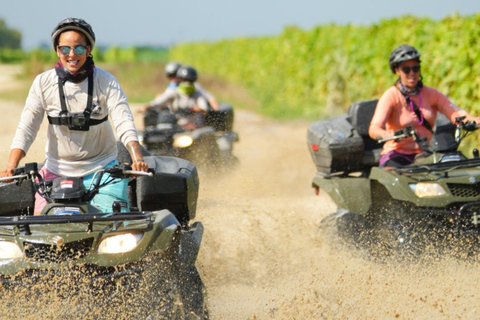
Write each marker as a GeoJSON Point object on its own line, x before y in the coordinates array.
{"type": "Point", "coordinates": [264, 256]}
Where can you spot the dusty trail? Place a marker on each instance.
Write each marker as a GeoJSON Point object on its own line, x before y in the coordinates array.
{"type": "Point", "coordinates": [263, 256]}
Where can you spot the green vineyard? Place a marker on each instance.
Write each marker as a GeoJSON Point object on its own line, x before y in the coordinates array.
{"type": "Point", "coordinates": [319, 72]}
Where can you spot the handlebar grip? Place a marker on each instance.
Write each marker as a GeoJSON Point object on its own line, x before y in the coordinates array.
{"type": "Point", "coordinates": [470, 126]}
{"type": "Point", "coordinates": [138, 173]}
{"type": "Point", "coordinates": [15, 177]}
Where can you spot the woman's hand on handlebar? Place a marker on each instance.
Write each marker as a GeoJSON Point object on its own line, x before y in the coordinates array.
{"type": "Point", "coordinates": [387, 134]}
{"type": "Point", "coordinates": [8, 172]}
{"type": "Point", "coordinates": [144, 108]}
{"type": "Point", "coordinates": [140, 166]}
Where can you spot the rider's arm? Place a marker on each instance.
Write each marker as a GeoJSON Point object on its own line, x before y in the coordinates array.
{"type": "Point", "coordinates": [30, 122]}
{"type": "Point", "coordinates": [138, 164]}
{"type": "Point", "coordinates": [211, 99]}
{"type": "Point", "coordinates": [449, 109]}
{"type": "Point", "coordinates": [201, 104]}
{"type": "Point", "coordinates": [380, 118]}
{"type": "Point", "coordinates": [15, 156]}
{"type": "Point", "coordinates": [160, 101]}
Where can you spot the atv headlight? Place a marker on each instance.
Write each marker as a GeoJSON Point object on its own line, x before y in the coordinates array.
{"type": "Point", "coordinates": [427, 189]}
{"type": "Point", "coordinates": [120, 243]}
{"type": "Point", "coordinates": [9, 250]}
{"type": "Point", "coordinates": [182, 141]}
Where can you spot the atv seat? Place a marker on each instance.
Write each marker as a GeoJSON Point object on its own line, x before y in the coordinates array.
{"type": "Point", "coordinates": [361, 114]}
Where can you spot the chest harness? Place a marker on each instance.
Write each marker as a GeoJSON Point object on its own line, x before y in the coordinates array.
{"type": "Point", "coordinates": [76, 121]}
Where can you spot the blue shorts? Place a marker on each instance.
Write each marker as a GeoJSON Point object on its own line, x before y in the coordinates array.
{"type": "Point", "coordinates": [107, 195]}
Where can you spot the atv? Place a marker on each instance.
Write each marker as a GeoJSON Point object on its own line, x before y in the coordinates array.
{"type": "Point", "coordinates": [434, 201]}
{"type": "Point", "coordinates": [168, 133]}
{"type": "Point", "coordinates": [143, 254]}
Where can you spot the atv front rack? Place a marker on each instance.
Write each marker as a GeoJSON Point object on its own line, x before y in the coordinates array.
{"type": "Point", "coordinates": [26, 221]}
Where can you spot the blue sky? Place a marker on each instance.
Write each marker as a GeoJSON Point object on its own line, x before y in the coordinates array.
{"type": "Point", "coordinates": [159, 22]}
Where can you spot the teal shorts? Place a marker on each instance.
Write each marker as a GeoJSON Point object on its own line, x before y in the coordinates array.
{"type": "Point", "coordinates": [116, 191]}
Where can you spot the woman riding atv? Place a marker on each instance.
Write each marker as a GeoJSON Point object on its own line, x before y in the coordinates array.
{"type": "Point", "coordinates": [186, 101]}
{"type": "Point", "coordinates": [77, 97]}
{"type": "Point", "coordinates": [409, 103]}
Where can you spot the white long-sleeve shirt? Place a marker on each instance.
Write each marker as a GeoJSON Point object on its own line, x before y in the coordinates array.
{"type": "Point", "coordinates": [70, 152]}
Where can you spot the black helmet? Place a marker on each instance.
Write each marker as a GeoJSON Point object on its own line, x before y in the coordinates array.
{"type": "Point", "coordinates": [187, 73]}
{"type": "Point", "coordinates": [401, 54]}
{"type": "Point", "coordinates": [73, 24]}
{"type": "Point", "coordinates": [171, 68]}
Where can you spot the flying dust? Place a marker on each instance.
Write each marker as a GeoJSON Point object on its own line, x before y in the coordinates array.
{"type": "Point", "coordinates": [264, 255]}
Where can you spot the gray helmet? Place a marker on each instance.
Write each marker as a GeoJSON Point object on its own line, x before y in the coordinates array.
{"type": "Point", "coordinates": [401, 54]}
{"type": "Point", "coordinates": [171, 68]}
{"type": "Point", "coordinates": [73, 24]}
{"type": "Point", "coordinates": [187, 73]}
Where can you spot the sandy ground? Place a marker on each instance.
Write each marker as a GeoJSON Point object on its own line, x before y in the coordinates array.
{"type": "Point", "coordinates": [263, 255]}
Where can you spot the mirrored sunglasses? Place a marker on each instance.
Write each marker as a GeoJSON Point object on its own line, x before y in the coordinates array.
{"type": "Point", "coordinates": [415, 69]}
{"type": "Point", "coordinates": [79, 50]}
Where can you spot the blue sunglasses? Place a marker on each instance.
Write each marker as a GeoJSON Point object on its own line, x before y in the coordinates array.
{"type": "Point", "coordinates": [79, 50]}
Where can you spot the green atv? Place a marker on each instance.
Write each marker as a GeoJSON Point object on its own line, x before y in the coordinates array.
{"type": "Point", "coordinates": [435, 200]}
{"type": "Point", "coordinates": [142, 259]}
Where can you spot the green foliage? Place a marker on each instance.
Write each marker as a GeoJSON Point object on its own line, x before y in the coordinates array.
{"type": "Point", "coordinates": [149, 54]}
{"type": "Point", "coordinates": [9, 38]}
{"type": "Point", "coordinates": [319, 72]}
{"type": "Point", "coordinates": [8, 55]}
{"type": "Point", "coordinates": [116, 55]}
{"type": "Point", "coordinates": [132, 54]}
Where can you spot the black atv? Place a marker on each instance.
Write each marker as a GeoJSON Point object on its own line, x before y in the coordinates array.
{"type": "Point", "coordinates": [167, 133]}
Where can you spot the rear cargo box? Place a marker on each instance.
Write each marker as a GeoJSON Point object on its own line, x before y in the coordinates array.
{"type": "Point", "coordinates": [335, 146]}
{"type": "Point", "coordinates": [222, 119]}
{"type": "Point", "coordinates": [174, 187]}
{"type": "Point", "coordinates": [16, 199]}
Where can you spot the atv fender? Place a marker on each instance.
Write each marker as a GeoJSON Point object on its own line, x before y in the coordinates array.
{"type": "Point", "coordinates": [349, 193]}
{"type": "Point", "coordinates": [190, 245]}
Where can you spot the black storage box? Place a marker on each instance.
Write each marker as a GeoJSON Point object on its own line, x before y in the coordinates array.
{"type": "Point", "coordinates": [335, 146]}
{"type": "Point", "coordinates": [17, 199]}
{"type": "Point", "coordinates": [222, 119]}
{"type": "Point", "coordinates": [174, 187]}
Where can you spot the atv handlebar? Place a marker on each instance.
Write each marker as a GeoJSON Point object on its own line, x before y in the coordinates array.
{"type": "Point", "coordinates": [44, 188]}
{"type": "Point", "coordinates": [16, 177]}
{"type": "Point", "coordinates": [400, 134]}
{"type": "Point", "coordinates": [116, 171]}
{"type": "Point", "coordinates": [462, 129]}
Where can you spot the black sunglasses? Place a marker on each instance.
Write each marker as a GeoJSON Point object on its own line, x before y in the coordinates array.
{"type": "Point", "coordinates": [415, 69]}
{"type": "Point", "coordinates": [79, 50]}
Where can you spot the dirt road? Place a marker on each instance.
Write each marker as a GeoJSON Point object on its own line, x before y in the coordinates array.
{"type": "Point", "coordinates": [263, 256]}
